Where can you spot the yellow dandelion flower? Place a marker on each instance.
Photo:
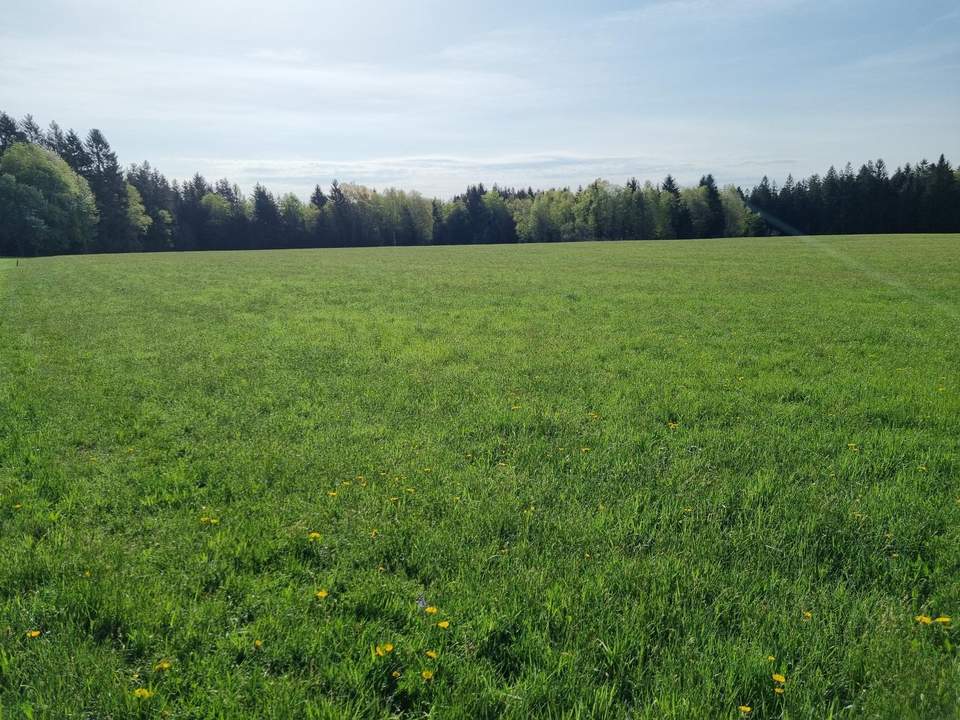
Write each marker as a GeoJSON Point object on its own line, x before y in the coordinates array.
{"type": "Point", "coordinates": [313, 536]}
{"type": "Point", "coordinates": [770, 658]}
{"type": "Point", "coordinates": [807, 615]}
{"type": "Point", "coordinates": [163, 666]}
{"type": "Point", "coordinates": [922, 468]}
{"type": "Point", "coordinates": [432, 654]}
{"type": "Point", "coordinates": [426, 674]}
{"type": "Point", "coordinates": [33, 634]}
{"type": "Point", "coordinates": [374, 533]}
{"type": "Point", "coordinates": [778, 690]}
{"type": "Point", "coordinates": [395, 674]}
{"type": "Point", "coordinates": [207, 520]}
{"type": "Point", "coordinates": [443, 624]}
{"type": "Point", "coordinates": [777, 677]}
{"type": "Point", "coordinates": [257, 644]}
{"type": "Point", "coordinates": [18, 506]}
{"type": "Point", "coordinates": [321, 594]}
{"type": "Point", "coordinates": [388, 647]}
{"type": "Point", "coordinates": [924, 619]}
{"type": "Point", "coordinates": [379, 651]}
{"type": "Point", "coordinates": [332, 493]}
{"type": "Point", "coordinates": [430, 610]}
{"type": "Point", "coordinates": [143, 693]}
{"type": "Point", "coordinates": [745, 709]}
{"type": "Point", "coordinates": [943, 620]}
{"type": "Point", "coordinates": [673, 425]}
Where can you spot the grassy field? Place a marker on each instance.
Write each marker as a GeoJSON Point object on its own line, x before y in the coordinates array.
{"type": "Point", "coordinates": [644, 480]}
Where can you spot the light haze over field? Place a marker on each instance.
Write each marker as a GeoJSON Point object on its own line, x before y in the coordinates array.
{"type": "Point", "coordinates": [435, 95]}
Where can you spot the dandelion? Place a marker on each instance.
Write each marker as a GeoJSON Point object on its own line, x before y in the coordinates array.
{"type": "Point", "coordinates": [770, 658]}
{"type": "Point", "coordinates": [807, 615]}
{"type": "Point", "coordinates": [430, 610]}
{"type": "Point", "coordinates": [432, 654]}
{"type": "Point", "coordinates": [321, 594]}
{"type": "Point", "coordinates": [443, 624]}
{"type": "Point", "coordinates": [163, 666]}
{"type": "Point", "coordinates": [924, 619]}
{"type": "Point", "coordinates": [943, 620]}
{"type": "Point", "coordinates": [853, 447]}
{"type": "Point", "coordinates": [332, 493]}
{"type": "Point", "coordinates": [313, 536]}
{"type": "Point", "coordinates": [584, 449]}
{"type": "Point", "coordinates": [395, 674]}
{"type": "Point", "coordinates": [778, 678]}
{"type": "Point", "coordinates": [778, 690]}
{"type": "Point", "coordinates": [207, 520]}
{"type": "Point", "coordinates": [379, 651]}
{"type": "Point", "coordinates": [33, 634]}
{"type": "Point", "coordinates": [18, 506]}
{"type": "Point", "coordinates": [922, 468]}
{"type": "Point", "coordinates": [673, 425]}
{"type": "Point", "coordinates": [143, 693]}
{"type": "Point", "coordinates": [374, 533]}
{"type": "Point", "coordinates": [257, 644]}
{"type": "Point", "coordinates": [427, 675]}
{"type": "Point", "coordinates": [388, 647]}
{"type": "Point", "coordinates": [745, 709]}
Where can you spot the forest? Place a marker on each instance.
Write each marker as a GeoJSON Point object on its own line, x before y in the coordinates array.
{"type": "Point", "coordinates": [61, 193]}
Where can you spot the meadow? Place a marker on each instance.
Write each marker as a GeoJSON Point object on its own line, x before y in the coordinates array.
{"type": "Point", "coordinates": [682, 479]}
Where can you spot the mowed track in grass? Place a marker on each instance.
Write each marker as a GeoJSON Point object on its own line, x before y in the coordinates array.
{"type": "Point", "coordinates": [636, 479]}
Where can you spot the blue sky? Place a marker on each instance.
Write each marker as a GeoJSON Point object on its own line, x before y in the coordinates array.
{"type": "Point", "coordinates": [433, 95]}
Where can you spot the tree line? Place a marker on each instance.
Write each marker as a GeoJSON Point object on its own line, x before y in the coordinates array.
{"type": "Point", "coordinates": [60, 193]}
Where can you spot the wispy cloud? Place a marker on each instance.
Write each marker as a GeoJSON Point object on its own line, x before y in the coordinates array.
{"type": "Point", "coordinates": [441, 175]}
{"type": "Point", "coordinates": [910, 57]}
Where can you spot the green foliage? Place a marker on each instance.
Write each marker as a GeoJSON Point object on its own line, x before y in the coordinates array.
{"type": "Point", "coordinates": [137, 219]}
{"type": "Point", "coordinates": [199, 216]}
{"type": "Point", "coordinates": [736, 216]}
{"type": "Point", "coordinates": [46, 207]}
{"type": "Point", "coordinates": [624, 473]}
{"type": "Point", "coordinates": [106, 180]}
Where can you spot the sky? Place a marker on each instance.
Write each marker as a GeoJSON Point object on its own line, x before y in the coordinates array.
{"type": "Point", "coordinates": [434, 95]}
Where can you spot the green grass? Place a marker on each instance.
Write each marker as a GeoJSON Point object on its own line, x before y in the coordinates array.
{"type": "Point", "coordinates": [622, 472]}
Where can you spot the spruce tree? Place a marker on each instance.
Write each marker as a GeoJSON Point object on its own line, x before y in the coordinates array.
{"type": "Point", "coordinates": [110, 190]}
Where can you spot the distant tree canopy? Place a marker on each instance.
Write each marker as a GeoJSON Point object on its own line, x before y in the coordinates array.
{"type": "Point", "coordinates": [63, 194]}
{"type": "Point", "coordinates": [45, 207]}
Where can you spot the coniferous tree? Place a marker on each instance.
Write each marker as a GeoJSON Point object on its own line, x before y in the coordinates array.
{"type": "Point", "coordinates": [10, 132]}
{"type": "Point", "coordinates": [31, 131]}
{"type": "Point", "coordinates": [716, 221]}
{"type": "Point", "coordinates": [266, 225]}
{"type": "Point", "coordinates": [109, 188]}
